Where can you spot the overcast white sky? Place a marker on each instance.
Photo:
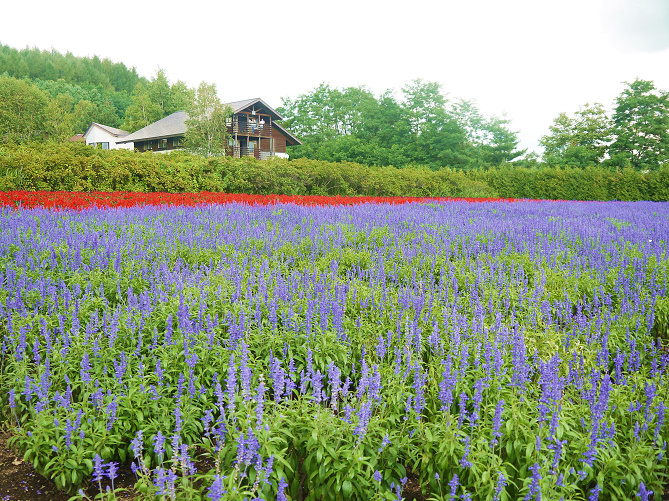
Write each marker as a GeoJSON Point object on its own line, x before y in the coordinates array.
{"type": "Point", "coordinates": [530, 59]}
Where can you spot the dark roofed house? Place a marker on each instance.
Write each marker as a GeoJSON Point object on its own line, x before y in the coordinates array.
{"type": "Point", "coordinates": [253, 127]}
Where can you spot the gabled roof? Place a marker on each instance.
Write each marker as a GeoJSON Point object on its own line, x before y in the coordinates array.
{"type": "Point", "coordinates": [289, 136]}
{"type": "Point", "coordinates": [238, 106]}
{"type": "Point", "coordinates": [171, 125]}
{"type": "Point", "coordinates": [111, 130]}
{"type": "Point", "coordinates": [175, 124]}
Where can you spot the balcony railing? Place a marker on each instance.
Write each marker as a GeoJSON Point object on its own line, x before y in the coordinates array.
{"type": "Point", "coordinates": [247, 129]}
{"type": "Point", "coordinates": [243, 151]}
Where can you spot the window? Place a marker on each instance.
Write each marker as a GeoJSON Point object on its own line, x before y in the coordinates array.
{"type": "Point", "coordinates": [162, 143]}
{"type": "Point", "coordinates": [176, 142]}
{"type": "Point", "coordinates": [104, 146]}
{"type": "Point", "coordinates": [148, 146]}
{"type": "Point", "coordinates": [91, 144]}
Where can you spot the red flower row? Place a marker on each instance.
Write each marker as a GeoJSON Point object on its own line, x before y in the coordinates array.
{"type": "Point", "coordinates": [82, 200]}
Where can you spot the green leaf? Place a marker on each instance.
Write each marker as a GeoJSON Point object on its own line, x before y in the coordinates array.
{"type": "Point", "coordinates": [347, 489]}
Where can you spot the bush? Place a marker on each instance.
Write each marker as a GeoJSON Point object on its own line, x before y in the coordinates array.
{"type": "Point", "coordinates": [76, 167]}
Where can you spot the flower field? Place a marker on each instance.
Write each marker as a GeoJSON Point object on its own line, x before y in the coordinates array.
{"type": "Point", "coordinates": [295, 348]}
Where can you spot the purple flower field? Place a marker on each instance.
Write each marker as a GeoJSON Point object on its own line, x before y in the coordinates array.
{"type": "Point", "coordinates": [497, 351]}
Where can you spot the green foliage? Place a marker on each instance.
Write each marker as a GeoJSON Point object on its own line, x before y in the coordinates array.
{"type": "Point", "coordinates": [75, 167]}
{"type": "Point", "coordinates": [26, 113]}
{"type": "Point", "coordinates": [87, 72]}
{"type": "Point", "coordinates": [579, 141]}
{"type": "Point", "coordinates": [352, 125]}
{"type": "Point", "coordinates": [207, 133]}
{"type": "Point", "coordinates": [641, 125]}
{"type": "Point", "coordinates": [154, 100]}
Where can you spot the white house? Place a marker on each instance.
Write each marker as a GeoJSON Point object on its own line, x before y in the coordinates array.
{"type": "Point", "coordinates": [105, 137]}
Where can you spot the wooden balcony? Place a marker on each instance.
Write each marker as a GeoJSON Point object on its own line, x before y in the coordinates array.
{"type": "Point", "coordinates": [249, 129]}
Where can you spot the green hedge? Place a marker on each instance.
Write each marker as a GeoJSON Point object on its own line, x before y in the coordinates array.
{"type": "Point", "coordinates": [76, 167]}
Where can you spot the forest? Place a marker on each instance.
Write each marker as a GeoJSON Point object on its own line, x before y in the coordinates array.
{"type": "Point", "coordinates": [45, 95]}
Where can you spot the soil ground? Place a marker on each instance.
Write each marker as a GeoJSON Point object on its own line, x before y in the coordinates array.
{"type": "Point", "coordinates": [20, 482]}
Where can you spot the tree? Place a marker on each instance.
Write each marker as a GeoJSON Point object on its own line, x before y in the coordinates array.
{"type": "Point", "coordinates": [207, 133]}
{"type": "Point", "coordinates": [491, 140]}
{"type": "Point", "coordinates": [180, 98]}
{"type": "Point", "coordinates": [143, 110]}
{"type": "Point", "coordinates": [59, 118]}
{"type": "Point", "coordinates": [641, 125]}
{"type": "Point", "coordinates": [24, 111]}
{"type": "Point", "coordinates": [580, 140]}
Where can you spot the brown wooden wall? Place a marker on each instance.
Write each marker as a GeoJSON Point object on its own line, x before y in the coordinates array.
{"type": "Point", "coordinates": [279, 143]}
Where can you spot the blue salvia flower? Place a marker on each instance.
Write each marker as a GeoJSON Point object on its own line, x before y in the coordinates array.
{"type": "Point", "coordinates": [364, 415]}
{"type": "Point", "coordinates": [137, 444]}
{"type": "Point", "coordinates": [464, 462]}
{"type": "Point", "coordinates": [644, 494]}
{"type": "Point", "coordinates": [245, 373]}
{"type": "Point", "coordinates": [453, 484]}
{"type": "Point", "coordinates": [231, 384]}
{"type": "Point", "coordinates": [159, 446]}
{"type": "Point", "coordinates": [501, 484]}
{"type": "Point", "coordinates": [281, 494]}
{"type": "Point", "coordinates": [497, 423]}
{"type": "Point", "coordinates": [385, 442]}
{"type": "Point", "coordinates": [111, 412]}
{"type": "Point", "coordinates": [375, 384]}
{"type": "Point", "coordinates": [535, 490]}
{"type": "Point", "coordinates": [180, 387]}
{"type": "Point", "coordinates": [463, 408]}
{"type": "Point", "coordinates": [215, 491]}
{"type": "Point", "coordinates": [477, 399]}
{"type": "Point", "coordinates": [69, 428]}
{"type": "Point", "coordinates": [334, 378]}
{"type": "Point", "coordinates": [447, 384]}
{"type": "Point", "coordinates": [260, 401]}
{"type": "Point", "coordinates": [36, 356]}
{"type": "Point", "coordinates": [407, 407]}
{"type": "Point", "coordinates": [159, 373]}
{"type": "Point", "coordinates": [594, 493]}
{"type": "Point", "coordinates": [112, 469]}
{"type": "Point", "coordinates": [277, 374]}
{"type": "Point", "coordinates": [98, 468]}
{"type": "Point", "coordinates": [170, 480]}
{"type": "Point", "coordinates": [377, 476]}
{"type": "Point", "coordinates": [207, 419]}
{"type": "Point", "coordinates": [159, 481]}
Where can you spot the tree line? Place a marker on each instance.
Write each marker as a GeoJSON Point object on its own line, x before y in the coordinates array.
{"type": "Point", "coordinates": [422, 127]}
{"type": "Point", "coordinates": [635, 135]}
{"type": "Point", "coordinates": [425, 127]}
{"type": "Point", "coordinates": [47, 95]}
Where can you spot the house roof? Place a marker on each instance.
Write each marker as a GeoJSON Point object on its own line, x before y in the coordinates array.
{"type": "Point", "coordinates": [76, 138]}
{"type": "Point", "coordinates": [111, 130]}
{"type": "Point", "coordinates": [171, 125]}
{"type": "Point", "coordinates": [238, 106]}
{"type": "Point", "coordinates": [175, 124]}
{"type": "Point", "coordinates": [290, 138]}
